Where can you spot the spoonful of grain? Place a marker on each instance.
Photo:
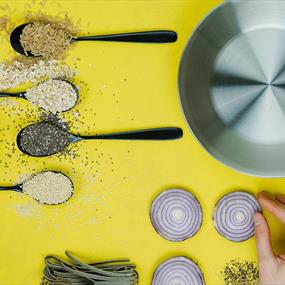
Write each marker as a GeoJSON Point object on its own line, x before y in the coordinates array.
{"type": "Point", "coordinates": [49, 40]}
{"type": "Point", "coordinates": [53, 95]}
{"type": "Point", "coordinates": [44, 139]}
{"type": "Point", "coordinates": [47, 187]}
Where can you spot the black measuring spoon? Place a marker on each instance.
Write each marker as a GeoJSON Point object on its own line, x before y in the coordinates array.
{"type": "Point", "coordinates": [22, 94]}
{"type": "Point", "coordinates": [44, 139]}
{"type": "Point", "coordinates": [20, 189]}
{"type": "Point", "coordinates": [161, 36]}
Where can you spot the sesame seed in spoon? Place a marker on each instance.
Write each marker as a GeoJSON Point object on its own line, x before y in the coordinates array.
{"type": "Point", "coordinates": [53, 95]}
{"type": "Point", "coordinates": [47, 187]}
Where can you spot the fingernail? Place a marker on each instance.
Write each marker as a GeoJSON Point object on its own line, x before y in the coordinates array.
{"type": "Point", "coordinates": [261, 194]}
{"type": "Point", "coordinates": [264, 193]}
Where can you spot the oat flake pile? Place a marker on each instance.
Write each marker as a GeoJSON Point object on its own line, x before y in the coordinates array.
{"type": "Point", "coordinates": [16, 73]}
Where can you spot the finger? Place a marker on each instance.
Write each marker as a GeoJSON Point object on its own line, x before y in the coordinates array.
{"type": "Point", "coordinates": [263, 242]}
{"type": "Point", "coordinates": [272, 205]}
{"type": "Point", "coordinates": [280, 260]}
{"type": "Point", "coordinates": [280, 198]}
{"type": "Point", "coordinates": [282, 256]}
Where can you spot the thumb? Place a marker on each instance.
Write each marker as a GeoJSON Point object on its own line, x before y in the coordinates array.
{"type": "Point", "coordinates": [263, 242]}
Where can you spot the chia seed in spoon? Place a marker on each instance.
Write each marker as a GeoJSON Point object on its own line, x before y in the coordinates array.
{"type": "Point", "coordinates": [43, 139]}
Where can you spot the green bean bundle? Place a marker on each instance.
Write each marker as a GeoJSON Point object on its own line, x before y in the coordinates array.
{"type": "Point", "coordinates": [76, 272]}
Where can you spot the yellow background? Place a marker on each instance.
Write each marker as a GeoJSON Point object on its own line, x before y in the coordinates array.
{"type": "Point", "coordinates": [131, 86]}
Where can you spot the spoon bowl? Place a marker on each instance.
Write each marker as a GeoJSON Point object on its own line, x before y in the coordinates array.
{"type": "Point", "coordinates": [22, 94]}
{"type": "Point", "coordinates": [15, 40]}
{"type": "Point", "coordinates": [160, 36]}
{"type": "Point", "coordinates": [76, 92]}
{"type": "Point", "coordinates": [19, 188]}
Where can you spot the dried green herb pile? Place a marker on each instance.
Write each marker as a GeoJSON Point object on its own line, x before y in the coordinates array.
{"type": "Point", "coordinates": [119, 272]}
{"type": "Point", "coordinates": [237, 272]}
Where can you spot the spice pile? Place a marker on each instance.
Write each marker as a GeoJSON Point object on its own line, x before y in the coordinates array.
{"type": "Point", "coordinates": [49, 187]}
{"type": "Point", "coordinates": [237, 272]}
{"type": "Point", "coordinates": [45, 39]}
{"type": "Point", "coordinates": [57, 271]}
{"type": "Point", "coordinates": [53, 95]}
{"type": "Point", "coordinates": [43, 139]}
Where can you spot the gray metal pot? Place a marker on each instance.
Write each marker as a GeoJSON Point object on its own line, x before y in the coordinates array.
{"type": "Point", "coordinates": [232, 85]}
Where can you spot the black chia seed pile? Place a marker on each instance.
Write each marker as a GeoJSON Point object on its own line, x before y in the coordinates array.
{"type": "Point", "coordinates": [237, 272]}
{"type": "Point", "coordinates": [43, 139]}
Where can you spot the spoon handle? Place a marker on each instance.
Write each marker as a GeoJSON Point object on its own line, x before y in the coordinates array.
{"type": "Point", "coordinates": [149, 134]}
{"type": "Point", "coordinates": [4, 94]}
{"type": "Point", "coordinates": [137, 37]}
{"type": "Point", "coordinates": [13, 188]}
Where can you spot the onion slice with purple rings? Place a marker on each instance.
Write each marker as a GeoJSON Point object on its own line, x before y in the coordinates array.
{"type": "Point", "coordinates": [233, 215]}
{"type": "Point", "coordinates": [176, 214]}
{"type": "Point", "coordinates": [178, 270]}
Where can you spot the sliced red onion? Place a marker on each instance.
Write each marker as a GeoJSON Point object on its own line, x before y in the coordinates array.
{"type": "Point", "coordinates": [178, 271]}
{"type": "Point", "coordinates": [176, 214]}
{"type": "Point", "coordinates": [233, 215]}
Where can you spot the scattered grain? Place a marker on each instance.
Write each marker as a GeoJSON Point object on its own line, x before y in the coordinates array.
{"type": "Point", "coordinates": [55, 120]}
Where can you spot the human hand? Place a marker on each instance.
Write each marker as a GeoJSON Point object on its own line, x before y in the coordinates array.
{"type": "Point", "coordinates": [271, 266]}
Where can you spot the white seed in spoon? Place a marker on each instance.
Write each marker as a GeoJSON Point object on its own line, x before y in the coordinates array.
{"type": "Point", "coordinates": [49, 188]}
{"type": "Point", "coordinates": [53, 95]}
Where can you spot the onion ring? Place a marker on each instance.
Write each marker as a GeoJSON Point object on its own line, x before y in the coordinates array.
{"type": "Point", "coordinates": [233, 215]}
{"type": "Point", "coordinates": [178, 270]}
{"type": "Point", "coordinates": [176, 214]}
